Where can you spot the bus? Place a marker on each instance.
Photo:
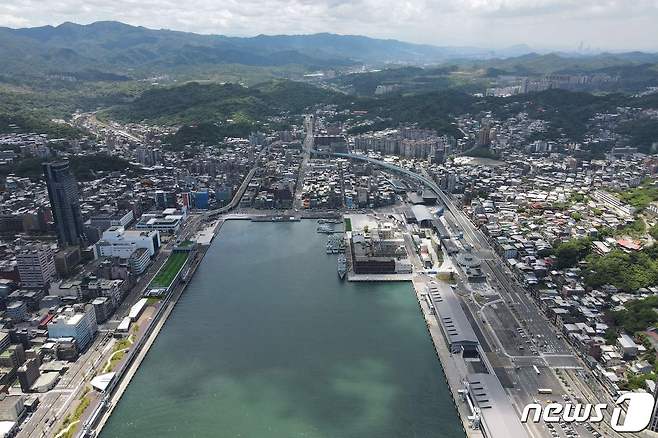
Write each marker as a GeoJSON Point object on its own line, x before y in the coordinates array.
{"type": "Point", "coordinates": [536, 369]}
{"type": "Point", "coordinates": [545, 391]}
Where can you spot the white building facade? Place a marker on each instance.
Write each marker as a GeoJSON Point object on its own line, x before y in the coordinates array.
{"type": "Point", "coordinates": [119, 242]}
{"type": "Point", "coordinates": [79, 324]}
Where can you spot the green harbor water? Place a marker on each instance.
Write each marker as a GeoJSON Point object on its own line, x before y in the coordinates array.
{"type": "Point", "coordinates": [268, 342]}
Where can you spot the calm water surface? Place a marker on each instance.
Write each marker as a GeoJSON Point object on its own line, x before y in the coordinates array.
{"type": "Point", "coordinates": [268, 342]}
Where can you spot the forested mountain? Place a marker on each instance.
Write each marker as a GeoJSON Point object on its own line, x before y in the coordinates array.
{"type": "Point", "coordinates": [117, 48]}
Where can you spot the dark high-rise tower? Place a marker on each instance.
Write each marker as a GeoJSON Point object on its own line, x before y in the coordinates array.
{"type": "Point", "coordinates": [65, 203]}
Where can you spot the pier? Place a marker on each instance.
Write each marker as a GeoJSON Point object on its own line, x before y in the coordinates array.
{"type": "Point", "coordinates": [454, 376]}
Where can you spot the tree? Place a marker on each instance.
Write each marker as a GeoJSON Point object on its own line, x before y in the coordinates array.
{"type": "Point", "coordinates": [611, 336]}
{"type": "Point", "coordinates": [569, 253]}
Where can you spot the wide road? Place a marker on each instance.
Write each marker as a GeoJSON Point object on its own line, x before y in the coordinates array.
{"type": "Point", "coordinates": [307, 147]}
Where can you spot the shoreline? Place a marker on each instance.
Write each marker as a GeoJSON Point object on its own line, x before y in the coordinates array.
{"type": "Point", "coordinates": [96, 420]}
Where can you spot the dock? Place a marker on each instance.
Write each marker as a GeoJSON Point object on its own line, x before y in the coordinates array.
{"type": "Point", "coordinates": [453, 375]}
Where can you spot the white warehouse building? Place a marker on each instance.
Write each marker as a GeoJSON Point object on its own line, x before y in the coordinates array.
{"type": "Point", "coordinates": [119, 242]}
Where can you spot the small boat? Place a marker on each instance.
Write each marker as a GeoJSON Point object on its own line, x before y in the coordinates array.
{"type": "Point", "coordinates": [327, 229]}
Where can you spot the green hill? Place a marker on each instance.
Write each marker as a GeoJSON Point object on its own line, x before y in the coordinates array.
{"type": "Point", "coordinates": [195, 102]}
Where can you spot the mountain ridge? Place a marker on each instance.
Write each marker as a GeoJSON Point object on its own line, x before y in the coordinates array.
{"type": "Point", "coordinates": [121, 48]}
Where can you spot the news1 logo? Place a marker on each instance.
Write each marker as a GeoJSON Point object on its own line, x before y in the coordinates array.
{"type": "Point", "coordinates": [639, 410]}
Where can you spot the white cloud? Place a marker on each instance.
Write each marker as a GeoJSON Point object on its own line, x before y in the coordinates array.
{"type": "Point", "coordinates": [616, 24]}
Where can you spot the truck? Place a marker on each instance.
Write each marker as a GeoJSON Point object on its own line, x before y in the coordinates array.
{"type": "Point", "coordinates": [544, 391]}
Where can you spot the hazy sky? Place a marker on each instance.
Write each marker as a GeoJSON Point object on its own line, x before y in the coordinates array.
{"type": "Point", "coordinates": [608, 24]}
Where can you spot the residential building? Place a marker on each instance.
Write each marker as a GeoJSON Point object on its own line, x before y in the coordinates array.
{"type": "Point", "coordinates": [28, 373]}
{"type": "Point", "coordinates": [17, 310]}
{"type": "Point", "coordinates": [36, 266]}
{"type": "Point", "coordinates": [139, 261]}
{"type": "Point", "coordinates": [12, 407]}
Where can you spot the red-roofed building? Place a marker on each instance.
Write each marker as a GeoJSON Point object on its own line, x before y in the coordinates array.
{"type": "Point", "coordinates": [629, 245]}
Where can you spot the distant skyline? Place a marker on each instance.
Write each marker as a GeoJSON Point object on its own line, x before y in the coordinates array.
{"type": "Point", "coordinates": [542, 24]}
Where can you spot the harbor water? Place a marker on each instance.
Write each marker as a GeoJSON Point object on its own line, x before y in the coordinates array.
{"type": "Point", "coordinates": [267, 341]}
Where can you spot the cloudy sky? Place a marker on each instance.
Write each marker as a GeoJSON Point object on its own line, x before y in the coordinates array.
{"type": "Point", "coordinates": [553, 24]}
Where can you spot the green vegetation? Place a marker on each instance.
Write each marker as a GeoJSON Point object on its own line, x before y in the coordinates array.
{"type": "Point", "coordinates": [642, 133]}
{"type": "Point", "coordinates": [362, 128]}
{"type": "Point", "coordinates": [611, 336]}
{"type": "Point", "coordinates": [207, 134]}
{"type": "Point", "coordinates": [481, 152]}
{"type": "Point", "coordinates": [567, 112]}
{"type": "Point", "coordinates": [73, 419]}
{"type": "Point", "coordinates": [119, 350]}
{"type": "Point", "coordinates": [32, 122]}
{"type": "Point", "coordinates": [433, 110]}
{"type": "Point", "coordinates": [404, 79]}
{"type": "Point", "coordinates": [638, 315]}
{"type": "Point", "coordinates": [114, 360]}
{"type": "Point", "coordinates": [536, 64]}
{"type": "Point", "coordinates": [32, 107]}
{"type": "Point", "coordinates": [208, 111]}
{"type": "Point", "coordinates": [121, 344]}
{"type": "Point", "coordinates": [112, 50]}
{"type": "Point", "coordinates": [211, 111]}
{"type": "Point", "coordinates": [84, 167]}
{"type": "Point", "coordinates": [559, 206]}
{"type": "Point", "coordinates": [576, 197]}
{"type": "Point", "coordinates": [637, 229]}
{"type": "Point", "coordinates": [169, 270]}
{"type": "Point", "coordinates": [569, 253]}
{"type": "Point", "coordinates": [348, 224]}
{"type": "Point", "coordinates": [653, 232]}
{"type": "Point", "coordinates": [637, 381]}
{"type": "Point", "coordinates": [625, 271]}
{"type": "Point", "coordinates": [640, 197]}
{"type": "Point", "coordinates": [195, 103]}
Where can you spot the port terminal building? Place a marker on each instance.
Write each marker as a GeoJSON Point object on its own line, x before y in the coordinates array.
{"type": "Point", "coordinates": [490, 407]}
